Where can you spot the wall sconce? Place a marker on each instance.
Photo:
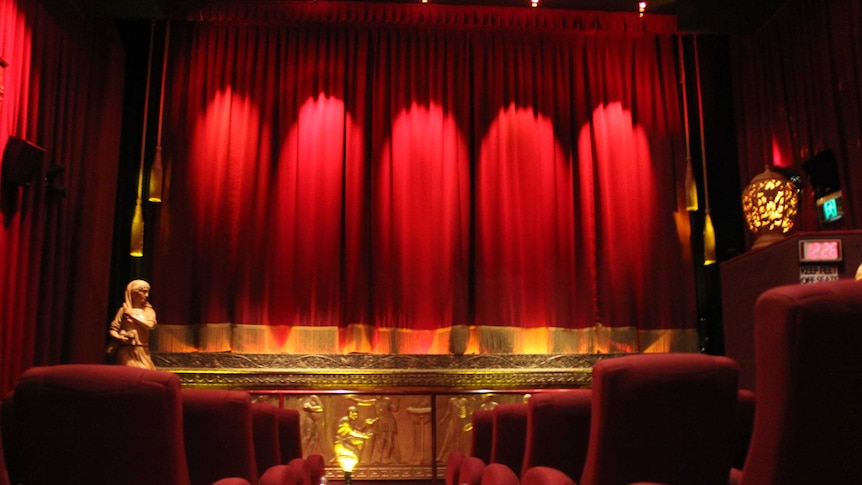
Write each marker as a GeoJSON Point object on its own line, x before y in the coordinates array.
{"type": "Point", "coordinates": [769, 202]}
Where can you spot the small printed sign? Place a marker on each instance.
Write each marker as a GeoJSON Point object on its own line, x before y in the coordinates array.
{"type": "Point", "coordinates": [817, 273]}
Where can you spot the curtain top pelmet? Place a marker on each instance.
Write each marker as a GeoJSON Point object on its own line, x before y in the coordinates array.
{"type": "Point", "coordinates": [442, 16]}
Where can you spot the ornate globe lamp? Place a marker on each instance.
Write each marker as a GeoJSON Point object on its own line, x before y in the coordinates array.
{"type": "Point", "coordinates": [770, 203]}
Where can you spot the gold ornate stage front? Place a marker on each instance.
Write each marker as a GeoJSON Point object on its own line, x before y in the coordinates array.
{"type": "Point", "coordinates": [413, 409]}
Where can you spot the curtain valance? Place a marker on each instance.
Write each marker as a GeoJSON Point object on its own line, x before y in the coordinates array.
{"type": "Point", "coordinates": [413, 14]}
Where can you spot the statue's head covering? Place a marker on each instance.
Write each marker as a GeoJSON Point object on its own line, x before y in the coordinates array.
{"type": "Point", "coordinates": [133, 286]}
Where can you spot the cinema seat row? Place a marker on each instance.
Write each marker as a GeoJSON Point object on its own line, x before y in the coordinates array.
{"type": "Point", "coordinates": [105, 424]}
{"type": "Point", "coordinates": [611, 433]}
{"type": "Point", "coordinates": [680, 419]}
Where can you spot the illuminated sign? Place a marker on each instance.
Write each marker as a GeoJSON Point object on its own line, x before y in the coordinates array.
{"type": "Point", "coordinates": [829, 208]}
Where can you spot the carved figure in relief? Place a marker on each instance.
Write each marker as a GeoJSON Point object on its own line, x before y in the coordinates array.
{"type": "Point", "coordinates": [456, 423]}
{"type": "Point", "coordinates": [351, 435]}
{"type": "Point", "coordinates": [420, 416]}
{"type": "Point", "coordinates": [312, 425]}
{"type": "Point", "coordinates": [383, 447]}
{"type": "Point", "coordinates": [488, 402]}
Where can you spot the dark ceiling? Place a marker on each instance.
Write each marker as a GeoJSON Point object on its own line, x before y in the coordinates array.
{"type": "Point", "coordinates": [708, 16]}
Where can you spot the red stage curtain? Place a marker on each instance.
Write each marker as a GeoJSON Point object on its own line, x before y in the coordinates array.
{"type": "Point", "coordinates": [422, 178]}
{"type": "Point", "coordinates": [800, 92]}
{"type": "Point", "coordinates": [63, 92]}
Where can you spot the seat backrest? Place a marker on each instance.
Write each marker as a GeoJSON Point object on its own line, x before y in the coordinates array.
{"type": "Point", "coordinates": [289, 434]}
{"type": "Point", "coordinates": [218, 435]}
{"type": "Point", "coordinates": [510, 435]}
{"type": "Point", "coordinates": [808, 422]}
{"type": "Point", "coordinates": [470, 471]}
{"type": "Point", "coordinates": [482, 435]}
{"type": "Point", "coordinates": [99, 424]}
{"type": "Point", "coordinates": [666, 418]}
{"type": "Point", "coordinates": [453, 468]}
{"type": "Point", "coordinates": [746, 404]}
{"type": "Point", "coordinates": [310, 469]}
{"type": "Point", "coordinates": [558, 431]}
{"type": "Point", "coordinates": [481, 444]}
{"type": "Point", "coordinates": [4, 473]}
{"type": "Point", "coordinates": [8, 439]}
{"type": "Point", "coordinates": [316, 467]}
{"type": "Point", "coordinates": [267, 450]}
{"type": "Point", "coordinates": [498, 474]}
{"type": "Point", "coordinates": [281, 475]}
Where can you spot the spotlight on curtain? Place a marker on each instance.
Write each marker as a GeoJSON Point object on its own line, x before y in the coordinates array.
{"type": "Point", "coordinates": [769, 202]}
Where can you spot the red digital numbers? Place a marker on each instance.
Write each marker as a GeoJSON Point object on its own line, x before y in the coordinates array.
{"type": "Point", "coordinates": [821, 251]}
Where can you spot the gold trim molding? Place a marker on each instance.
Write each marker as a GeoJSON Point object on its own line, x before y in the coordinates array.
{"type": "Point", "coordinates": [380, 371]}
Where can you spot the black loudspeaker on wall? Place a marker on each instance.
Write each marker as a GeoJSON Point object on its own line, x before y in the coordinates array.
{"type": "Point", "coordinates": [822, 171]}
{"type": "Point", "coordinates": [22, 162]}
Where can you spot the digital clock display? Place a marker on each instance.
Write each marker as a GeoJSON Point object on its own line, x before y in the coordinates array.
{"type": "Point", "coordinates": [819, 250]}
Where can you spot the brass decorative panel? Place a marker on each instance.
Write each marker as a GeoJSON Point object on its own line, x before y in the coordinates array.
{"type": "Point", "coordinates": [374, 371]}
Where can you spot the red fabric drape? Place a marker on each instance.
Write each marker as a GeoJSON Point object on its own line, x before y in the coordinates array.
{"type": "Point", "coordinates": [421, 168]}
{"type": "Point", "coordinates": [63, 92]}
{"type": "Point", "coordinates": [799, 93]}
{"type": "Point", "coordinates": [420, 213]}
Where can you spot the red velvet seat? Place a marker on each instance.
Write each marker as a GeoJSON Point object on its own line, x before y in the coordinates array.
{"type": "Point", "coordinates": [510, 435]}
{"type": "Point", "coordinates": [543, 475]}
{"type": "Point", "coordinates": [507, 444]}
{"type": "Point", "coordinates": [4, 473]}
{"type": "Point", "coordinates": [481, 439]}
{"type": "Point", "coordinates": [9, 438]}
{"type": "Point", "coordinates": [99, 424]}
{"type": "Point", "coordinates": [744, 426]}
{"type": "Point", "coordinates": [498, 474]}
{"type": "Point", "coordinates": [482, 435]}
{"type": "Point", "coordinates": [470, 471]}
{"type": "Point", "coordinates": [558, 431]}
{"type": "Point", "coordinates": [308, 470]}
{"type": "Point", "coordinates": [808, 418]}
{"type": "Point", "coordinates": [289, 434]}
{"type": "Point", "coordinates": [665, 418]}
{"type": "Point", "coordinates": [219, 435]}
{"type": "Point", "coordinates": [265, 429]}
{"type": "Point", "coordinates": [453, 468]}
{"type": "Point", "coordinates": [659, 418]}
{"type": "Point", "coordinates": [281, 475]}
{"type": "Point", "coordinates": [316, 468]}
